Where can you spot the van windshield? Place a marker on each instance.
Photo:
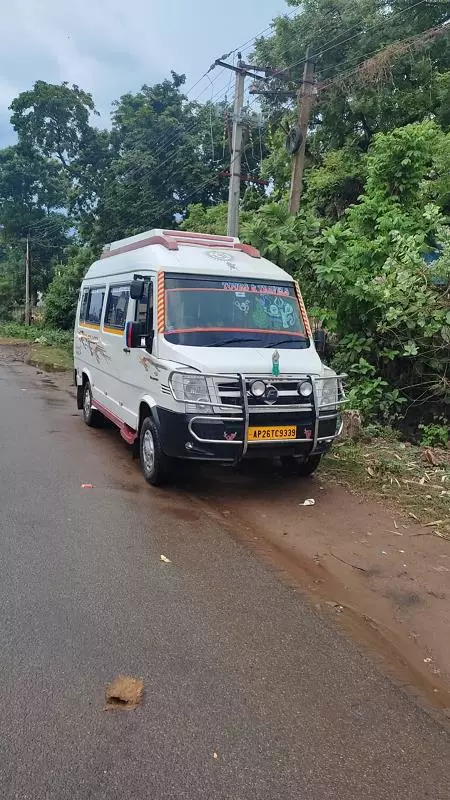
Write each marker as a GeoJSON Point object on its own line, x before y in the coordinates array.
{"type": "Point", "coordinates": [216, 312]}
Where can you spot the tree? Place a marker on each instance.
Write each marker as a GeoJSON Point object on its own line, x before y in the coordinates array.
{"type": "Point", "coordinates": [32, 193]}
{"type": "Point", "coordinates": [62, 295]}
{"type": "Point", "coordinates": [53, 122]}
{"type": "Point", "coordinates": [206, 220]}
{"type": "Point", "coordinates": [392, 311]}
{"type": "Point", "coordinates": [402, 85]}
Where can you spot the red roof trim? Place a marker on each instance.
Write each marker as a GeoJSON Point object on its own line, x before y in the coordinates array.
{"type": "Point", "coordinates": [171, 244]}
{"type": "Point", "coordinates": [170, 240]}
{"type": "Point", "coordinates": [193, 235]}
{"type": "Point", "coordinates": [248, 249]}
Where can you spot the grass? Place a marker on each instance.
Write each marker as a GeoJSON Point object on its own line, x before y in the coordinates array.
{"type": "Point", "coordinates": [413, 478]}
{"type": "Point", "coordinates": [50, 358]}
{"type": "Point", "coordinates": [48, 349]}
{"type": "Point", "coordinates": [17, 331]}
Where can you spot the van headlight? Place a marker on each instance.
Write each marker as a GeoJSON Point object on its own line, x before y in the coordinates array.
{"type": "Point", "coordinates": [327, 392]}
{"type": "Point", "coordinates": [190, 388]}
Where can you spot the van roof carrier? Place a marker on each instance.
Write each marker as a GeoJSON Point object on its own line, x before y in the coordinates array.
{"type": "Point", "coordinates": [172, 239]}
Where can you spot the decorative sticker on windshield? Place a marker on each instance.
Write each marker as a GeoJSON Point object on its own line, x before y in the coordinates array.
{"type": "Point", "coordinates": [256, 288]}
{"type": "Point", "coordinates": [278, 309]}
{"type": "Point", "coordinates": [243, 305]}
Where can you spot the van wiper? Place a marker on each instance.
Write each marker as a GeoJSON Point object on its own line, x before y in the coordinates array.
{"type": "Point", "coordinates": [237, 340]}
{"type": "Point", "coordinates": [303, 342]}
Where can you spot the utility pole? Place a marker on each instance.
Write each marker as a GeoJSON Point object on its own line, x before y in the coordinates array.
{"type": "Point", "coordinates": [305, 99]}
{"type": "Point", "coordinates": [234, 191]}
{"type": "Point", "coordinates": [27, 283]}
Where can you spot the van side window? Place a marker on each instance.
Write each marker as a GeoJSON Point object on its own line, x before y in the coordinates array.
{"type": "Point", "coordinates": [117, 307]}
{"type": "Point", "coordinates": [141, 305]}
{"type": "Point", "coordinates": [84, 305]}
{"type": "Point", "coordinates": [95, 305]}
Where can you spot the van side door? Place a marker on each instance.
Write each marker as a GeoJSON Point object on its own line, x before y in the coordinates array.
{"type": "Point", "coordinates": [139, 375]}
{"type": "Point", "coordinates": [113, 338]}
{"type": "Point", "coordinates": [88, 345]}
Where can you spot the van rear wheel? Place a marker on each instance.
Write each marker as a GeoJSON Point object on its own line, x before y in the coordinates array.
{"type": "Point", "coordinates": [156, 466]}
{"type": "Point", "coordinates": [91, 416]}
{"type": "Point", "coordinates": [295, 466]}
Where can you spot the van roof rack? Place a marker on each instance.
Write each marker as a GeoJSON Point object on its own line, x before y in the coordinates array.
{"type": "Point", "coordinates": [172, 239]}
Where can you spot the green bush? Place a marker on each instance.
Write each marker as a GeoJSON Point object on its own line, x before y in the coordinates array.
{"type": "Point", "coordinates": [434, 435]}
{"type": "Point", "coordinates": [62, 295]}
{"type": "Point", "coordinates": [16, 330]}
{"type": "Point", "coordinates": [392, 318]}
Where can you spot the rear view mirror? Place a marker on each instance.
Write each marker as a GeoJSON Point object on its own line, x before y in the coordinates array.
{"type": "Point", "coordinates": [134, 334]}
{"type": "Point", "coordinates": [320, 340]}
{"type": "Point", "coordinates": [136, 289]}
{"type": "Point", "coordinates": [137, 337]}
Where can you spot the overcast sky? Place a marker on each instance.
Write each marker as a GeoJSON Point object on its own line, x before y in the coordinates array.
{"type": "Point", "coordinates": [109, 47]}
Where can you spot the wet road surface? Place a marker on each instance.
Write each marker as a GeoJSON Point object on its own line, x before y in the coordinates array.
{"type": "Point", "coordinates": [234, 661]}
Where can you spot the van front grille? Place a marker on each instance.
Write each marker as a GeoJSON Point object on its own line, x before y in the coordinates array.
{"type": "Point", "coordinates": [229, 393]}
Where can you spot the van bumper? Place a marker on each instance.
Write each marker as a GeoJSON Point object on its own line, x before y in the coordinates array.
{"type": "Point", "coordinates": [189, 436]}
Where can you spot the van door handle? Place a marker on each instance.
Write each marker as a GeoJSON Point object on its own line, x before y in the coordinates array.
{"type": "Point", "coordinates": [126, 349]}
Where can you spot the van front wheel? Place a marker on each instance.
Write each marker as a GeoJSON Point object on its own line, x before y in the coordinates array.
{"type": "Point", "coordinates": [91, 416]}
{"type": "Point", "coordinates": [294, 466]}
{"type": "Point", "coordinates": [156, 466]}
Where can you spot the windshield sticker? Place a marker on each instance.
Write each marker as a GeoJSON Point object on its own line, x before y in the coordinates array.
{"type": "Point", "coordinates": [278, 309]}
{"type": "Point", "coordinates": [256, 288]}
{"type": "Point", "coordinates": [243, 305]}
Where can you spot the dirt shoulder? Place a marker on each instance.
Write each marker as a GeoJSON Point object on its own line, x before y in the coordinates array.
{"type": "Point", "coordinates": [365, 552]}
{"type": "Point", "coordinates": [48, 357]}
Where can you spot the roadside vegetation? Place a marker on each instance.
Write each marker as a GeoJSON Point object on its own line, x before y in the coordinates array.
{"type": "Point", "coordinates": [46, 348]}
{"type": "Point", "coordinates": [410, 477]}
{"type": "Point", "coordinates": [370, 245]}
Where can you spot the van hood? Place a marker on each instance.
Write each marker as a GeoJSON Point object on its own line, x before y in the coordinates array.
{"type": "Point", "coordinates": [247, 360]}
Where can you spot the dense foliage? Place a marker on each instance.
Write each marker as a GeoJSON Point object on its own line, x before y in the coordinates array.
{"type": "Point", "coordinates": [371, 244]}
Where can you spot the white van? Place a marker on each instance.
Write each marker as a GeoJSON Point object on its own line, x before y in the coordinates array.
{"type": "Point", "coordinates": [198, 348]}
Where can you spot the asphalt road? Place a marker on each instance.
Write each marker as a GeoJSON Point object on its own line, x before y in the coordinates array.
{"type": "Point", "coordinates": [234, 661]}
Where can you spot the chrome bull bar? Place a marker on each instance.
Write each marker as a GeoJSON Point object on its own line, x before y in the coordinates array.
{"type": "Point", "coordinates": [241, 413]}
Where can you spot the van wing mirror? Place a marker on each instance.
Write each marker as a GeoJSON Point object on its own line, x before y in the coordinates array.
{"type": "Point", "coordinates": [320, 340]}
{"type": "Point", "coordinates": [136, 289]}
{"type": "Point", "coordinates": [135, 334]}
{"type": "Point", "coordinates": [137, 337]}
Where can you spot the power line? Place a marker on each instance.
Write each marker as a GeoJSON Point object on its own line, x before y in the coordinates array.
{"type": "Point", "coordinates": [338, 43]}
{"type": "Point", "coordinates": [408, 42]}
{"type": "Point", "coordinates": [164, 143]}
{"type": "Point", "coordinates": [245, 45]}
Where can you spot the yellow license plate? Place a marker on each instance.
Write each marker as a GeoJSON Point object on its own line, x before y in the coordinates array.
{"type": "Point", "coordinates": [269, 434]}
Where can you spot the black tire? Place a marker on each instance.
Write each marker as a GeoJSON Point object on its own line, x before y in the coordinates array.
{"type": "Point", "coordinates": [295, 466]}
{"type": "Point", "coordinates": [156, 466]}
{"type": "Point", "coordinates": [91, 416]}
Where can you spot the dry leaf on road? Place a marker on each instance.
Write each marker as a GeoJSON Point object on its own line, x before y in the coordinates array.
{"type": "Point", "coordinates": [124, 692]}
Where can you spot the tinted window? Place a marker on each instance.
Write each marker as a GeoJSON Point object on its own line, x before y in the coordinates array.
{"type": "Point", "coordinates": [95, 305]}
{"type": "Point", "coordinates": [117, 307]}
{"type": "Point", "coordinates": [84, 304]}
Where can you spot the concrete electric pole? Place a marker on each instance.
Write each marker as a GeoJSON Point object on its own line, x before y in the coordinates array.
{"type": "Point", "coordinates": [27, 283]}
{"type": "Point", "coordinates": [234, 191]}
